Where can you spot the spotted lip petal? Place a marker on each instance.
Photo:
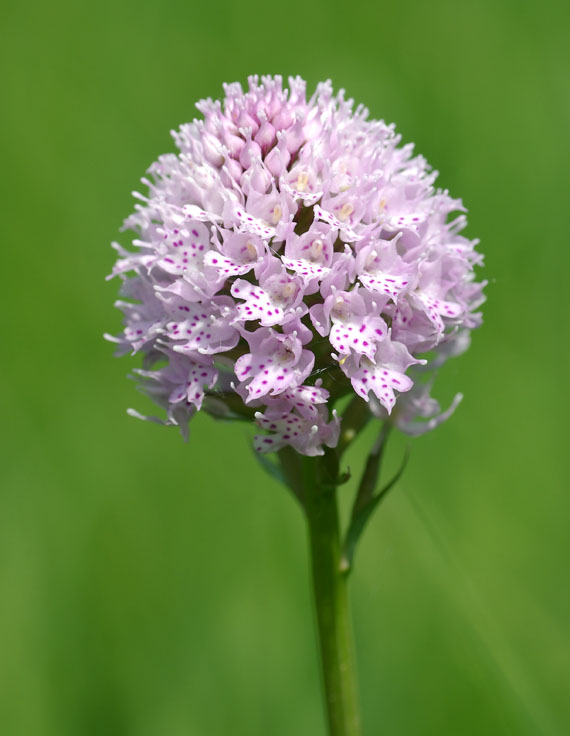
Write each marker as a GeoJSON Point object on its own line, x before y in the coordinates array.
{"type": "Point", "coordinates": [286, 230]}
{"type": "Point", "coordinates": [384, 376]}
{"type": "Point", "coordinates": [192, 212]}
{"type": "Point", "coordinates": [183, 249]}
{"type": "Point", "coordinates": [305, 400]}
{"type": "Point", "coordinates": [275, 301]}
{"type": "Point", "coordinates": [307, 270]}
{"type": "Point", "coordinates": [437, 309]}
{"type": "Point", "coordinates": [205, 327]}
{"type": "Point", "coordinates": [381, 270]}
{"type": "Point", "coordinates": [307, 436]}
{"type": "Point", "coordinates": [310, 256]}
{"type": "Point", "coordinates": [192, 390]}
{"type": "Point", "coordinates": [354, 328]}
{"type": "Point", "coordinates": [343, 227]}
{"type": "Point", "coordinates": [257, 306]}
{"type": "Point", "coordinates": [244, 222]}
{"type": "Point", "coordinates": [275, 364]}
{"type": "Point", "coordinates": [360, 336]}
{"type": "Point", "coordinates": [381, 381]}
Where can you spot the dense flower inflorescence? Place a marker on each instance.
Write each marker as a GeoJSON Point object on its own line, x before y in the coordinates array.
{"type": "Point", "coordinates": [290, 254]}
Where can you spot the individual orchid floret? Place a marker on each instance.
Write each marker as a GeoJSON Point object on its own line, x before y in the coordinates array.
{"type": "Point", "coordinates": [236, 254]}
{"type": "Point", "coordinates": [305, 400]}
{"type": "Point", "coordinates": [144, 316]}
{"type": "Point", "coordinates": [417, 412]}
{"type": "Point", "coordinates": [380, 269]}
{"type": "Point", "coordinates": [274, 208]}
{"type": "Point", "coordinates": [276, 362]}
{"type": "Point", "coordinates": [184, 248]}
{"type": "Point", "coordinates": [205, 327]}
{"type": "Point", "coordinates": [179, 387]}
{"type": "Point", "coordinates": [276, 300]}
{"type": "Point", "coordinates": [420, 413]}
{"type": "Point", "coordinates": [307, 436]}
{"type": "Point", "coordinates": [432, 294]}
{"type": "Point", "coordinates": [383, 376]}
{"type": "Point", "coordinates": [339, 221]}
{"type": "Point", "coordinates": [302, 183]}
{"type": "Point", "coordinates": [355, 328]}
{"type": "Point", "coordinates": [310, 255]}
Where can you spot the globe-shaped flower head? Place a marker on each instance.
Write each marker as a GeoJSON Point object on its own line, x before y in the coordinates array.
{"type": "Point", "coordinates": [291, 254]}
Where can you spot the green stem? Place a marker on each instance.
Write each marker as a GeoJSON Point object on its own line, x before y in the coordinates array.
{"type": "Point", "coordinates": [332, 605]}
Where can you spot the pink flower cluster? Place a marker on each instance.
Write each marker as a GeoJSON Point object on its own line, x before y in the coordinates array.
{"type": "Point", "coordinates": [288, 255]}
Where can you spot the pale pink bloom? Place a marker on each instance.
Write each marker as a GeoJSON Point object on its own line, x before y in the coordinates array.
{"type": "Point", "coordinates": [291, 253]}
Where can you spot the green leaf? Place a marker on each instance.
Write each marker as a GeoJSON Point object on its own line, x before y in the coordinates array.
{"type": "Point", "coordinates": [344, 477]}
{"type": "Point", "coordinates": [369, 479]}
{"type": "Point", "coordinates": [290, 469]}
{"type": "Point", "coordinates": [271, 467]}
{"type": "Point", "coordinates": [362, 513]}
{"type": "Point", "coordinates": [354, 418]}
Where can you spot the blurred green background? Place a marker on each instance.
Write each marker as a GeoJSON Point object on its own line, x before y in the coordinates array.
{"type": "Point", "coordinates": [149, 587]}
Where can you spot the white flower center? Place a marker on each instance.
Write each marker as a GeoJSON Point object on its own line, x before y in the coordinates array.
{"type": "Point", "coordinates": [285, 355]}
{"type": "Point", "coordinates": [302, 181]}
{"type": "Point", "coordinates": [288, 290]}
{"type": "Point", "coordinates": [345, 211]}
{"type": "Point", "coordinates": [251, 252]}
{"type": "Point", "coordinates": [370, 261]}
{"type": "Point", "coordinates": [316, 250]}
{"type": "Point", "coordinates": [340, 308]}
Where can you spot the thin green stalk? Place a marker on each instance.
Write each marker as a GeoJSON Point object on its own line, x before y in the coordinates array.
{"type": "Point", "coordinates": [331, 603]}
